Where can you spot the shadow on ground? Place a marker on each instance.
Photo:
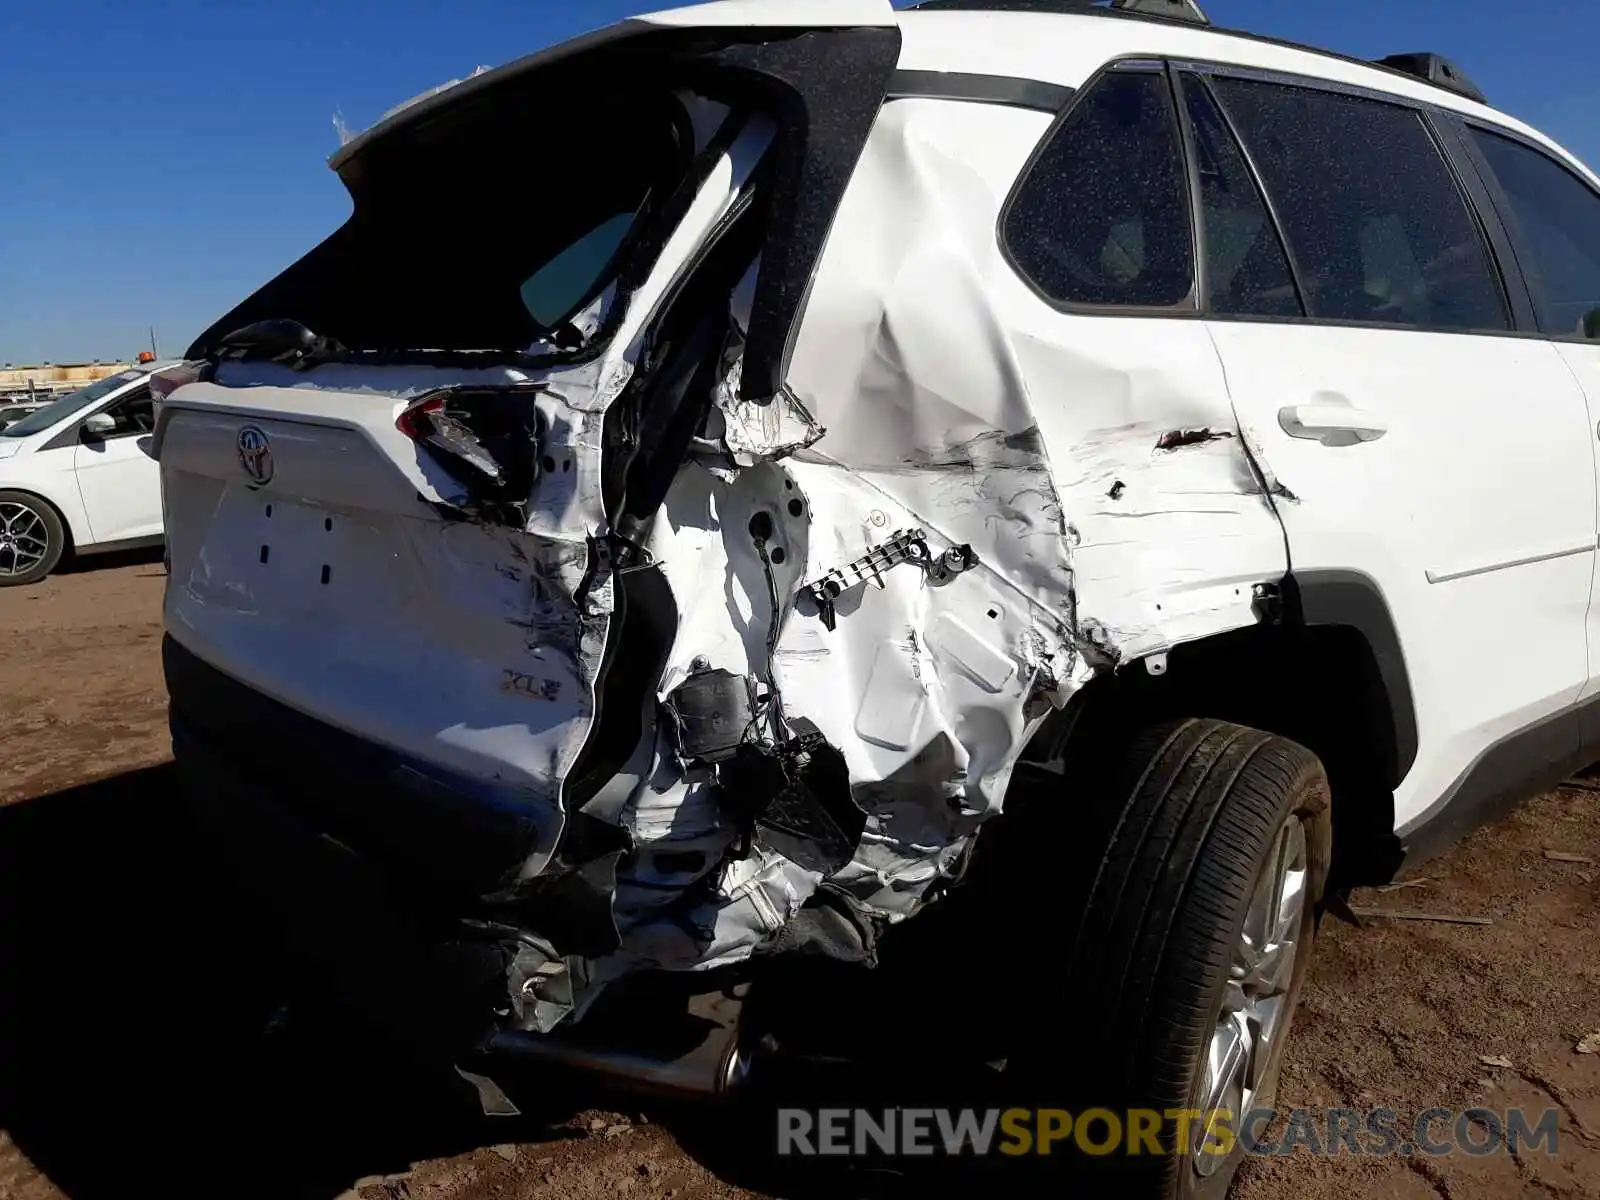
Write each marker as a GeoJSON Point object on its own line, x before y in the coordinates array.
{"type": "Point", "coordinates": [133, 1004]}
{"type": "Point", "coordinates": [144, 556]}
{"type": "Point", "coordinates": [137, 1040]}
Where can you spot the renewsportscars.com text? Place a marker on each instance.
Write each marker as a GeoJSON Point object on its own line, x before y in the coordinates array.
{"type": "Point", "coordinates": [1018, 1132]}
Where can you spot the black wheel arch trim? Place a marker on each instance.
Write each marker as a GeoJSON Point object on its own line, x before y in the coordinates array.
{"type": "Point", "coordinates": [1327, 597]}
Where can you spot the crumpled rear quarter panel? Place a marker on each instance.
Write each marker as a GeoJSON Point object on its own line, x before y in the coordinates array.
{"type": "Point", "coordinates": [956, 398]}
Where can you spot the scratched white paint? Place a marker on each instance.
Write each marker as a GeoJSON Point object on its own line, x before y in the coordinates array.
{"type": "Point", "coordinates": [929, 389]}
{"type": "Point", "coordinates": [1031, 433]}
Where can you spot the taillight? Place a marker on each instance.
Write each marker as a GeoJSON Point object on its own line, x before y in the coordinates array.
{"type": "Point", "coordinates": [416, 422]}
{"type": "Point", "coordinates": [486, 438]}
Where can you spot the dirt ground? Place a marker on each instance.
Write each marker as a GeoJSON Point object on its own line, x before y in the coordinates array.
{"type": "Point", "coordinates": [137, 1055]}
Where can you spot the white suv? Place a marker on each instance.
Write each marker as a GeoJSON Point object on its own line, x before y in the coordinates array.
{"type": "Point", "coordinates": [729, 462]}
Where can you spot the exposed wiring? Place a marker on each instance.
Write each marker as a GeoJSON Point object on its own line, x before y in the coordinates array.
{"type": "Point", "coordinates": [780, 731]}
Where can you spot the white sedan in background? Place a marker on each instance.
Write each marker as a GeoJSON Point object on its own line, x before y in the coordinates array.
{"type": "Point", "coordinates": [75, 479]}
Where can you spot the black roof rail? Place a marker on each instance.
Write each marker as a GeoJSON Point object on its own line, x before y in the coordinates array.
{"type": "Point", "coordinates": [1187, 11]}
{"type": "Point", "coordinates": [1437, 70]}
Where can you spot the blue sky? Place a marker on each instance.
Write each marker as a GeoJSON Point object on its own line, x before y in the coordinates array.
{"type": "Point", "coordinates": [162, 158]}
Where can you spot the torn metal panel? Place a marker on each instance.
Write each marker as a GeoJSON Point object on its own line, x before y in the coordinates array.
{"type": "Point", "coordinates": [924, 682]}
{"type": "Point", "coordinates": [754, 431]}
{"type": "Point", "coordinates": [744, 649]}
{"type": "Point", "coordinates": [918, 657]}
{"type": "Point", "coordinates": [1094, 466]}
{"type": "Point", "coordinates": [1095, 463]}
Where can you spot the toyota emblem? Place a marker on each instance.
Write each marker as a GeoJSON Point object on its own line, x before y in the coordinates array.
{"type": "Point", "coordinates": [255, 455]}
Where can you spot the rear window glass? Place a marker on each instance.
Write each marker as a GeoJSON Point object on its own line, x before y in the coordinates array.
{"type": "Point", "coordinates": [483, 234]}
{"type": "Point", "coordinates": [560, 285]}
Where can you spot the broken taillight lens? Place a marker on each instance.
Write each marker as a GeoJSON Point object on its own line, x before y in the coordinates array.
{"type": "Point", "coordinates": [487, 439]}
{"type": "Point", "coordinates": [416, 422]}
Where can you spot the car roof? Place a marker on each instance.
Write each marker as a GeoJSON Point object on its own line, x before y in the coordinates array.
{"type": "Point", "coordinates": [1067, 48]}
{"type": "Point", "coordinates": [1063, 48]}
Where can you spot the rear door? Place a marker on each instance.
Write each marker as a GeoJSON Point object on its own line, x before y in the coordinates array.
{"type": "Point", "coordinates": [1553, 212]}
{"type": "Point", "coordinates": [405, 501]}
{"type": "Point", "coordinates": [1424, 447]}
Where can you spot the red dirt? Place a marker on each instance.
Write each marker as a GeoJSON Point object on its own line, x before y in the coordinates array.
{"type": "Point", "coordinates": [132, 1059]}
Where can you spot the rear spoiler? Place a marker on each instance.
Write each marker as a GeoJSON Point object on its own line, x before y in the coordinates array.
{"type": "Point", "coordinates": [773, 15]}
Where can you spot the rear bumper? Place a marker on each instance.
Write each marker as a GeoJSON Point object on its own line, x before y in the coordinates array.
{"type": "Point", "coordinates": [456, 837]}
{"type": "Point", "coordinates": [398, 954]}
{"type": "Point", "coordinates": [358, 936]}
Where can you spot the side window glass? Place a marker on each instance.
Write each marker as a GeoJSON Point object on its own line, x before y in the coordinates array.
{"type": "Point", "coordinates": [1247, 271]}
{"type": "Point", "coordinates": [1103, 216]}
{"type": "Point", "coordinates": [1558, 218]}
{"type": "Point", "coordinates": [1379, 229]}
{"type": "Point", "coordinates": [134, 414]}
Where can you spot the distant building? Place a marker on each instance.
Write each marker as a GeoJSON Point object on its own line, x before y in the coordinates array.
{"type": "Point", "coordinates": [23, 382]}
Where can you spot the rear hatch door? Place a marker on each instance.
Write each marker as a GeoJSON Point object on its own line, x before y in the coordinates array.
{"type": "Point", "coordinates": [403, 486]}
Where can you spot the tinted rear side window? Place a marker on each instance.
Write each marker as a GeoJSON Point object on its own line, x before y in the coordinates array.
{"type": "Point", "coordinates": [1557, 217]}
{"type": "Point", "coordinates": [1247, 271]}
{"type": "Point", "coordinates": [1103, 216]}
{"type": "Point", "coordinates": [1379, 230]}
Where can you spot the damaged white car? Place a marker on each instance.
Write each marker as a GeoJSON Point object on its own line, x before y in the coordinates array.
{"type": "Point", "coordinates": [835, 528]}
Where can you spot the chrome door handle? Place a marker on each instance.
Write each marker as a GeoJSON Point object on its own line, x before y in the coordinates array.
{"type": "Point", "coordinates": [1331, 423]}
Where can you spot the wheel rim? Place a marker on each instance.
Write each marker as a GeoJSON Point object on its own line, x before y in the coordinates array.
{"type": "Point", "coordinates": [24, 538]}
{"type": "Point", "coordinates": [1248, 1035]}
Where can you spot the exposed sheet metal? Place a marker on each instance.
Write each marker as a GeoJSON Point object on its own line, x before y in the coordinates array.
{"type": "Point", "coordinates": [952, 405]}
{"type": "Point", "coordinates": [958, 508]}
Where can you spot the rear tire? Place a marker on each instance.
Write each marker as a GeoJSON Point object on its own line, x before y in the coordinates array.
{"type": "Point", "coordinates": [1217, 852]}
{"type": "Point", "coordinates": [32, 539]}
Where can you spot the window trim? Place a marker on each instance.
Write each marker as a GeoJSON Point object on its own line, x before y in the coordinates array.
{"type": "Point", "coordinates": [1505, 214]}
{"type": "Point", "coordinates": [1475, 181]}
{"type": "Point", "coordinates": [1186, 308]}
{"type": "Point", "coordinates": [1512, 281]}
{"type": "Point", "coordinates": [1254, 171]}
{"type": "Point", "coordinates": [1013, 91]}
{"type": "Point", "coordinates": [1209, 67]}
{"type": "Point", "coordinates": [1201, 288]}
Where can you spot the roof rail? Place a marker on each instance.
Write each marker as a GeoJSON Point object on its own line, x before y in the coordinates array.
{"type": "Point", "coordinates": [1187, 11]}
{"type": "Point", "coordinates": [1437, 70]}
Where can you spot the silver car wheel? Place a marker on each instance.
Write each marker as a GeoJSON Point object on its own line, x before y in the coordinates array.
{"type": "Point", "coordinates": [1247, 1038]}
{"type": "Point", "coordinates": [24, 539]}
